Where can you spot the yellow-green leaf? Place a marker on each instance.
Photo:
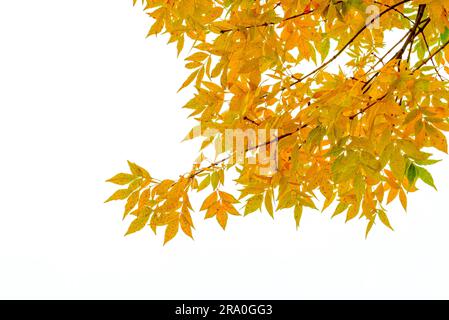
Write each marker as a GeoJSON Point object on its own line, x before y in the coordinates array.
{"type": "Point", "coordinates": [121, 179]}
{"type": "Point", "coordinates": [253, 204]}
{"type": "Point", "coordinates": [119, 195]}
{"type": "Point", "coordinates": [383, 217]}
{"type": "Point", "coordinates": [298, 215]}
{"type": "Point", "coordinates": [140, 222]}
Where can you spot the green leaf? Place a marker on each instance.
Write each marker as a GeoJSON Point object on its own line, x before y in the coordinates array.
{"type": "Point", "coordinates": [445, 35]}
{"type": "Point", "coordinates": [412, 173]}
{"type": "Point", "coordinates": [426, 177]}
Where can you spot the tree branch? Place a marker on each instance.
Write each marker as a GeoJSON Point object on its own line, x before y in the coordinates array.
{"type": "Point", "coordinates": [411, 36]}
{"type": "Point", "coordinates": [372, 104]}
{"type": "Point", "coordinates": [396, 10]}
{"type": "Point", "coordinates": [324, 65]}
{"type": "Point", "coordinates": [425, 61]}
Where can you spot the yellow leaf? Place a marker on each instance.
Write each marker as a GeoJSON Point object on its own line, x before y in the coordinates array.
{"type": "Point", "coordinates": [121, 179]}
{"type": "Point", "coordinates": [198, 56]}
{"type": "Point", "coordinates": [138, 171]}
{"type": "Point", "coordinates": [185, 225]}
{"type": "Point", "coordinates": [171, 230]}
{"type": "Point", "coordinates": [212, 211]}
{"type": "Point", "coordinates": [253, 204]}
{"type": "Point", "coordinates": [437, 138]}
{"type": "Point", "coordinates": [397, 164]}
{"type": "Point", "coordinates": [230, 209]}
{"type": "Point", "coordinates": [144, 198]}
{"type": "Point", "coordinates": [156, 27]}
{"type": "Point", "coordinates": [204, 184]}
{"type": "Point", "coordinates": [383, 217]}
{"type": "Point", "coordinates": [403, 199]}
{"type": "Point", "coordinates": [120, 195]}
{"type": "Point", "coordinates": [180, 44]}
{"type": "Point", "coordinates": [215, 179]}
{"type": "Point", "coordinates": [222, 218]}
{"type": "Point", "coordinates": [298, 215]}
{"type": "Point", "coordinates": [193, 65]}
{"type": "Point", "coordinates": [392, 194]}
{"type": "Point", "coordinates": [369, 227]}
{"type": "Point", "coordinates": [189, 80]}
{"type": "Point", "coordinates": [210, 200]}
{"type": "Point", "coordinates": [269, 203]}
{"type": "Point", "coordinates": [249, 66]}
{"type": "Point", "coordinates": [412, 150]}
{"type": "Point", "coordinates": [352, 212]}
{"type": "Point", "coordinates": [341, 207]}
{"type": "Point", "coordinates": [140, 222]}
{"type": "Point", "coordinates": [131, 203]}
{"type": "Point", "coordinates": [162, 219]}
{"type": "Point", "coordinates": [186, 214]}
{"type": "Point", "coordinates": [227, 197]}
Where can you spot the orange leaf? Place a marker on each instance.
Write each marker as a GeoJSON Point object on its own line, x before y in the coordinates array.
{"type": "Point", "coordinates": [222, 218]}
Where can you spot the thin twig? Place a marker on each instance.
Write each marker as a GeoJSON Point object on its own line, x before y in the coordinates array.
{"type": "Point", "coordinates": [266, 24]}
{"type": "Point", "coordinates": [269, 142]}
{"type": "Point", "coordinates": [424, 62]}
{"type": "Point", "coordinates": [324, 65]}
{"type": "Point", "coordinates": [396, 10]}
{"type": "Point", "coordinates": [368, 107]}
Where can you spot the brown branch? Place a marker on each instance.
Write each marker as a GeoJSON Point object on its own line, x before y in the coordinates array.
{"type": "Point", "coordinates": [250, 120]}
{"type": "Point", "coordinates": [396, 10]}
{"type": "Point", "coordinates": [420, 31]}
{"type": "Point", "coordinates": [425, 61]}
{"type": "Point", "coordinates": [412, 34]}
{"type": "Point", "coordinates": [385, 55]}
{"type": "Point", "coordinates": [324, 65]}
{"type": "Point", "coordinates": [410, 38]}
{"type": "Point", "coordinates": [372, 104]}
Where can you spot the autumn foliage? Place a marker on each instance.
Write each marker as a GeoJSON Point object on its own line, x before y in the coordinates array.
{"type": "Point", "coordinates": [358, 111]}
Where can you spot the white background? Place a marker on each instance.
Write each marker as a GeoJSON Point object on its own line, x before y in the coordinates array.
{"type": "Point", "coordinates": [82, 91]}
